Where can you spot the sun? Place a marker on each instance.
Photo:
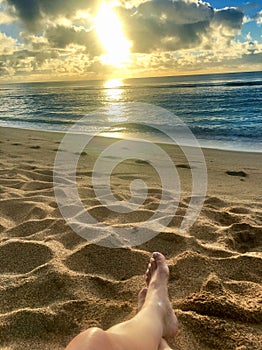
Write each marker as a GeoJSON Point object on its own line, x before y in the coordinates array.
{"type": "Point", "coordinates": [110, 33]}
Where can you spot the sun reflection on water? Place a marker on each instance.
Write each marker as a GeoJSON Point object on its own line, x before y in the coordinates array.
{"type": "Point", "coordinates": [113, 83]}
{"type": "Point", "coordinates": [113, 89]}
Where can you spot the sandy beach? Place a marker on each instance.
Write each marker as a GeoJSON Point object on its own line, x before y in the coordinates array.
{"type": "Point", "coordinates": [54, 284]}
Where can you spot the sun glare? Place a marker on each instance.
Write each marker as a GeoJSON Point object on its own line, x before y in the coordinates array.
{"type": "Point", "coordinates": [113, 83]}
{"type": "Point", "coordinates": [110, 33]}
{"type": "Point", "coordinates": [113, 89]}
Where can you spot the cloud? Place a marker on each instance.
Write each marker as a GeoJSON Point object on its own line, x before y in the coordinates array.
{"type": "Point", "coordinates": [5, 18]}
{"type": "Point", "coordinates": [60, 36]}
{"type": "Point", "coordinates": [35, 57]}
{"type": "Point", "coordinates": [229, 17]}
{"type": "Point", "coordinates": [236, 57]}
{"type": "Point", "coordinates": [174, 25]}
{"type": "Point", "coordinates": [255, 58]}
{"type": "Point", "coordinates": [46, 62]}
{"type": "Point", "coordinates": [7, 44]}
{"type": "Point", "coordinates": [179, 12]}
{"type": "Point", "coordinates": [156, 25]}
{"type": "Point", "coordinates": [166, 25]}
{"type": "Point", "coordinates": [258, 17]}
{"type": "Point", "coordinates": [34, 12]}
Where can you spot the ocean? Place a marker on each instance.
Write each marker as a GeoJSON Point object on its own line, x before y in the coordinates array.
{"type": "Point", "coordinates": [223, 111]}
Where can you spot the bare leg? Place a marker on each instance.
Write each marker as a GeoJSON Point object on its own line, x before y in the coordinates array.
{"type": "Point", "coordinates": [164, 346]}
{"type": "Point", "coordinates": [141, 300]}
{"type": "Point", "coordinates": [144, 331]}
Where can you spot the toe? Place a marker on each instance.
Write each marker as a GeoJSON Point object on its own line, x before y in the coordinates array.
{"type": "Point", "coordinates": [153, 264]}
{"type": "Point", "coordinates": [158, 256]}
{"type": "Point", "coordinates": [156, 259]}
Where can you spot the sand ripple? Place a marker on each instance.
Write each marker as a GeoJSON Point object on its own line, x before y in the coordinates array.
{"type": "Point", "coordinates": [55, 284]}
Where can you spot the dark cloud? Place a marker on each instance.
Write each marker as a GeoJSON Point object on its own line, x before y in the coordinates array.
{"type": "Point", "coordinates": [231, 18]}
{"type": "Point", "coordinates": [32, 12]}
{"type": "Point", "coordinates": [172, 25]}
{"type": "Point", "coordinates": [61, 36]}
{"type": "Point", "coordinates": [166, 25]}
{"type": "Point", "coordinates": [156, 25]}
{"type": "Point", "coordinates": [179, 12]}
{"type": "Point", "coordinates": [28, 10]}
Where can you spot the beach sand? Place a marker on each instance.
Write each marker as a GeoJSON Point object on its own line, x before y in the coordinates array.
{"type": "Point", "coordinates": [54, 284]}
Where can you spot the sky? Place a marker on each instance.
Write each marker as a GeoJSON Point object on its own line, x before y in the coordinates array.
{"type": "Point", "coordinates": [43, 40]}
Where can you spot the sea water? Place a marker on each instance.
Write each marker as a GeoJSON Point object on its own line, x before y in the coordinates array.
{"type": "Point", "coordinates": [222, 110]}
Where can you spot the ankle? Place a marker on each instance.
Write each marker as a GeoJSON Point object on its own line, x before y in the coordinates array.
{"type": "Point", "coordinates": [163, 345]}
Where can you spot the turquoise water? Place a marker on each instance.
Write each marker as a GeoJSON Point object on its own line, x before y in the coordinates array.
{"type": "Point", "coordinates": [222, 110]}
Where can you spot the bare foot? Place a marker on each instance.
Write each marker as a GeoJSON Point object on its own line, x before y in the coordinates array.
{"type": "Point", "coordinates": [163, 345]}
{"type": "Point", "coordinates": [156, 279]}
{"type": "Point", "coordinates": [141, 300]}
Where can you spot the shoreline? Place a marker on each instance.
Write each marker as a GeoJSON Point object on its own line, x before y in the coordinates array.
{"type": "Point", "coordinates": [203, 147]}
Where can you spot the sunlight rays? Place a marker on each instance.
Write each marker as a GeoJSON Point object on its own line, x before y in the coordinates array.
{"type": "Point", "coordinates": [110, 33]}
